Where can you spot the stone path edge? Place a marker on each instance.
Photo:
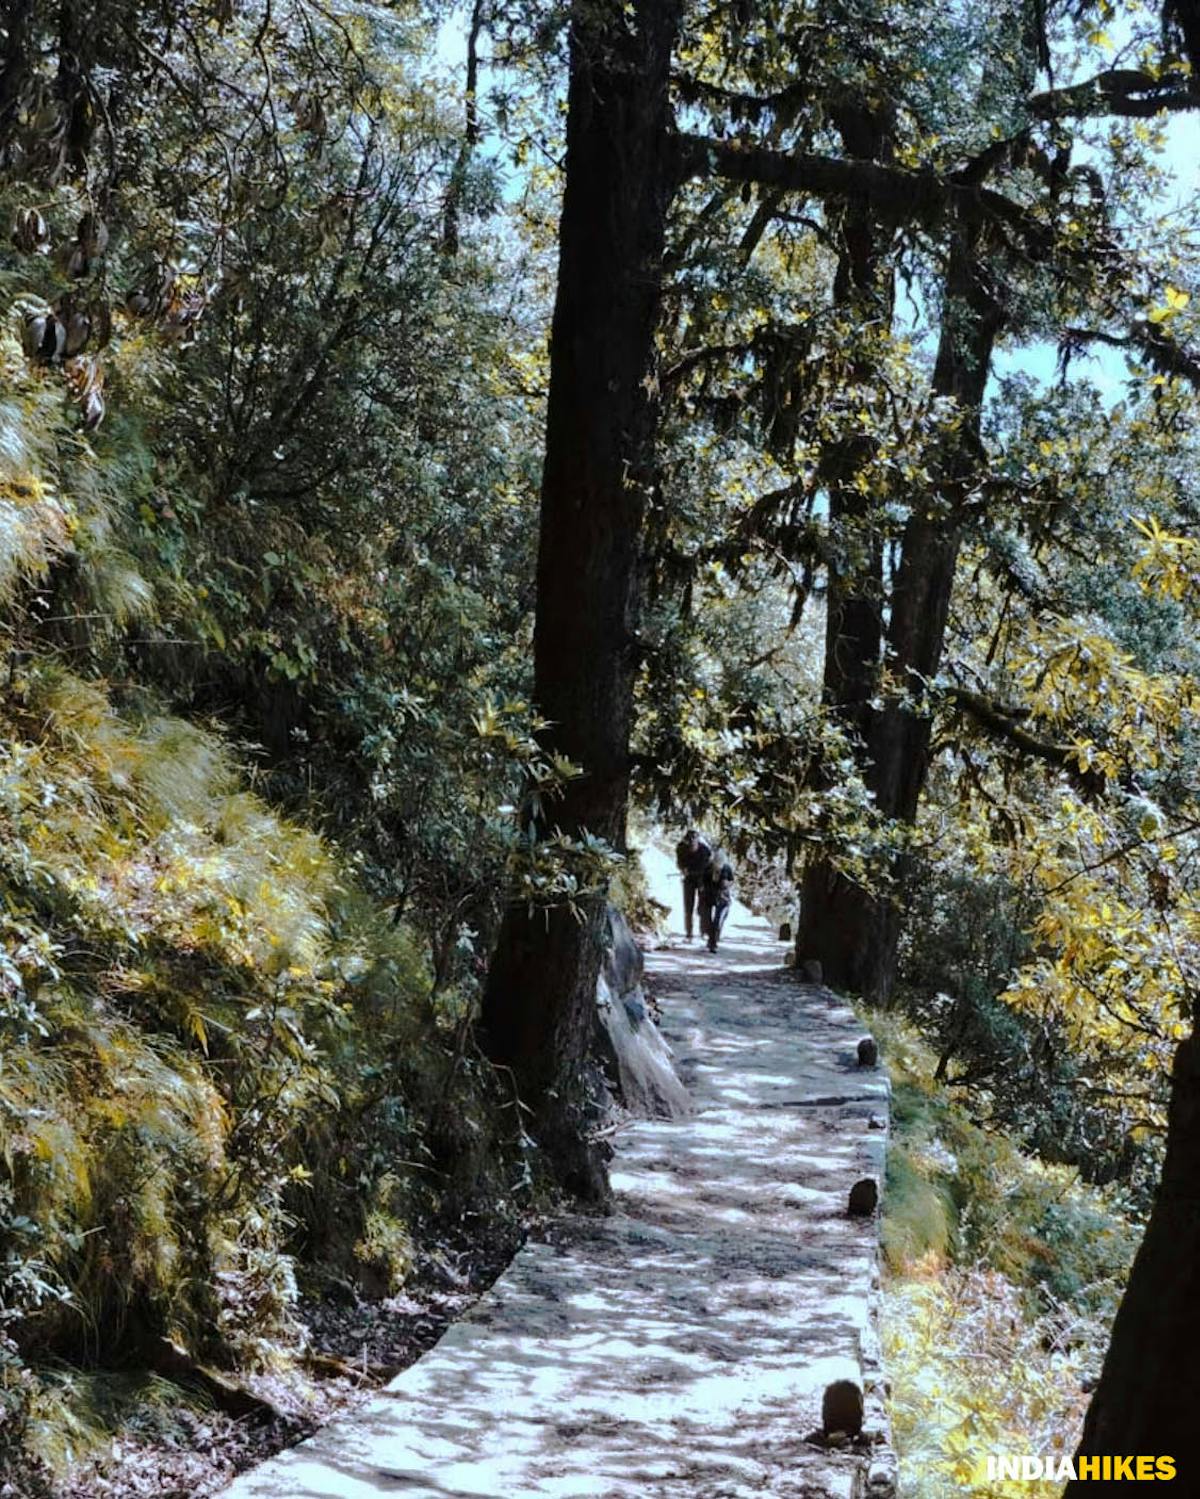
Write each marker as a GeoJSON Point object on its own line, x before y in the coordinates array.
{"type": "Point", "coordinates": [415, 1438]}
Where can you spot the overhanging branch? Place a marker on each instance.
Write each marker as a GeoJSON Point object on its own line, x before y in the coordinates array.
{"type": "Point", "coordinates": [1129, 92]}
{"type": "Point", "coordinates": [896, 194]}
{"type": "Point", "coordinates": [1156, 346]}
{"type": "Point", "coordinates": [1001, 725]}
{"type": "Point", "coordinates": [892, 191]}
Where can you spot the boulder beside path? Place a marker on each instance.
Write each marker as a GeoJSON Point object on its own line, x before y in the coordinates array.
{"type": "Point", "coordinates": [631, 1047]}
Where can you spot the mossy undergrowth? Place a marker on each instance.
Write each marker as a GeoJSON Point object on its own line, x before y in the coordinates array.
{"type": "Point", "coordinates": [220, 1064]}
{"type": "Point", "coordinates": [1003, 1275]}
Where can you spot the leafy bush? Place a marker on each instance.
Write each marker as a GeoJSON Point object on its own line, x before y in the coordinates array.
{"type": "Point", "coordinates": [1004, 1275]}
{"type": "Point", "coordinates": [921, 1219]}
{"type": "Point", "coordinates": [218, 1057]}
{"type": "Point", "coordinates": [966, 936]}
{"type": "Point", "coordinates": [973, 1373]}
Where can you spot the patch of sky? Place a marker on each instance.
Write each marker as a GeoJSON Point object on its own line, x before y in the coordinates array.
{"type": "Point", "coordinates": [1108, 368]}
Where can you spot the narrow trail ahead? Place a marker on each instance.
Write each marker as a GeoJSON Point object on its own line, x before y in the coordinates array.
{"type": "Point", "coordinates": [678, 1349]}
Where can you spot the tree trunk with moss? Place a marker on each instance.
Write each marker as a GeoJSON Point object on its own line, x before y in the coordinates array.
{"type": "Point", "coordinates": [599, 472]}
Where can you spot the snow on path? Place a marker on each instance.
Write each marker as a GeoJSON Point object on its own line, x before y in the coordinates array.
{"type": "Point", "coordinates": [679, 1348]}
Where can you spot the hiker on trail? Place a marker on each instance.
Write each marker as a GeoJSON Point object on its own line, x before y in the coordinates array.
{"type": "Point", "coordinates": [692, 855]}
{"type": "Point", "coordinates": [716, 897]}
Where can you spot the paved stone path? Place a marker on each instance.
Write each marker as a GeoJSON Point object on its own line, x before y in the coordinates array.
{"type": "Point", "coordinates": [678, 1349]}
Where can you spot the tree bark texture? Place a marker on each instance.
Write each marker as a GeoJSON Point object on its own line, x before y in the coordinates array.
{"type": "Point", "coordinates": [851, 931]}
{"type": "Point", "coordinates": [837, 919]}
{"type": "Point", "coordinates": [1146, 1399]}
{"type": "Point", "coordinates": [599, 473]}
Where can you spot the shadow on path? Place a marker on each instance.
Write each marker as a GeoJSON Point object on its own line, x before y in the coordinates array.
{"type": "Point", "coordinates": [680, 1348]}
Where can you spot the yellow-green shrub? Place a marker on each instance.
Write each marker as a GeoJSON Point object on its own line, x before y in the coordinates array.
{"type": "Point", "coordinates": [973, 1373]}
{"type": "Point", "coordinates": [1003, 1278]}
{"type": "Point", "coordinates": [212, 1047]}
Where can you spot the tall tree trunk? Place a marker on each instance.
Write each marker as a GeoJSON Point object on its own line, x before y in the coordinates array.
{"type": "Point", "coordinates": [852, 932]}
{"type": "Point", "coordinates": [1146, 1399]}
{"type": "Point", "coordinates": [601, 427]}
{"type": "Point", "coordinates": [452, 211]}
{"type": "Point", "coordinates": [855, 934]}
{"type": "Point", "coordinates": [836, 925]}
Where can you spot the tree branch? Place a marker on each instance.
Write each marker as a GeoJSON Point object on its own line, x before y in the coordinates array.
{"type": "Point", "coordinates": [1121, 91]}
{"type": "Point", "coordinates": [896, 194]}
{"type": "Point", "coordinates": [892, 191]}
{"type": "Point", "coordinates": [694, 358]}
{"type": "Point", "coordinates": [1160, 350]}
{"type": "Point", "coordinates": [998, 723]}
{"type": "Point", "coordinates": [743, 105]}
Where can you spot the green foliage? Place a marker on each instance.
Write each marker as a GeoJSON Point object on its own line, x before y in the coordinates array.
{"type": "Point", "coordinates": [219, 1056]}
{"type": "Point", "coordinates": [825, 469]}
{"type": "Point", "coordinates": [968, 935]}
{"type": "Point", "coordinates": [629, 890]}
{"type": "Point", "coordinates": [921, 1218]}
{"type": "Point", "coordinates": [271, 762]}
{"type": "Point", "coordinates": [286, 518]}
{"type": "Point", "coordinates": [1003, 1278]}
{"type": "Point", "coordinates": [76, 1417]}
{"type": "Point", "coordinates": [267, 746]}
{"type": "Point", "coordinates": [993, 1201]}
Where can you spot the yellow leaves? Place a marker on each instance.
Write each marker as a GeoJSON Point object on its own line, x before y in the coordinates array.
{"type": "Point", "coordinates": [1066, 673]}
{"type": "Point", "coordinates": [145, 827]}
{"type": "Point", "coordinates": [194, 1024]}
{"type": "Point", "coordinates": [1173, 303]}
{"type": "Point", "coordinates": [34, 524]}
{"type": "Point", "coordinates": [21, 490]}
{"type": "Point", "coordinates": [1113, 933]}
{"type": "Point", "coordinates": [487, 721]}
{"type": "Point", "coordinates": [1169, 564]}
{"type": "Point", "coordinates": [974, 1373]}
{"type": "Point", "coordinates": [1108, 967]}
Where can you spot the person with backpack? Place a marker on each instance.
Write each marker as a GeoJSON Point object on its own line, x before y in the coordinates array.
{"type": "Point", "coordinates": [716, 896]}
